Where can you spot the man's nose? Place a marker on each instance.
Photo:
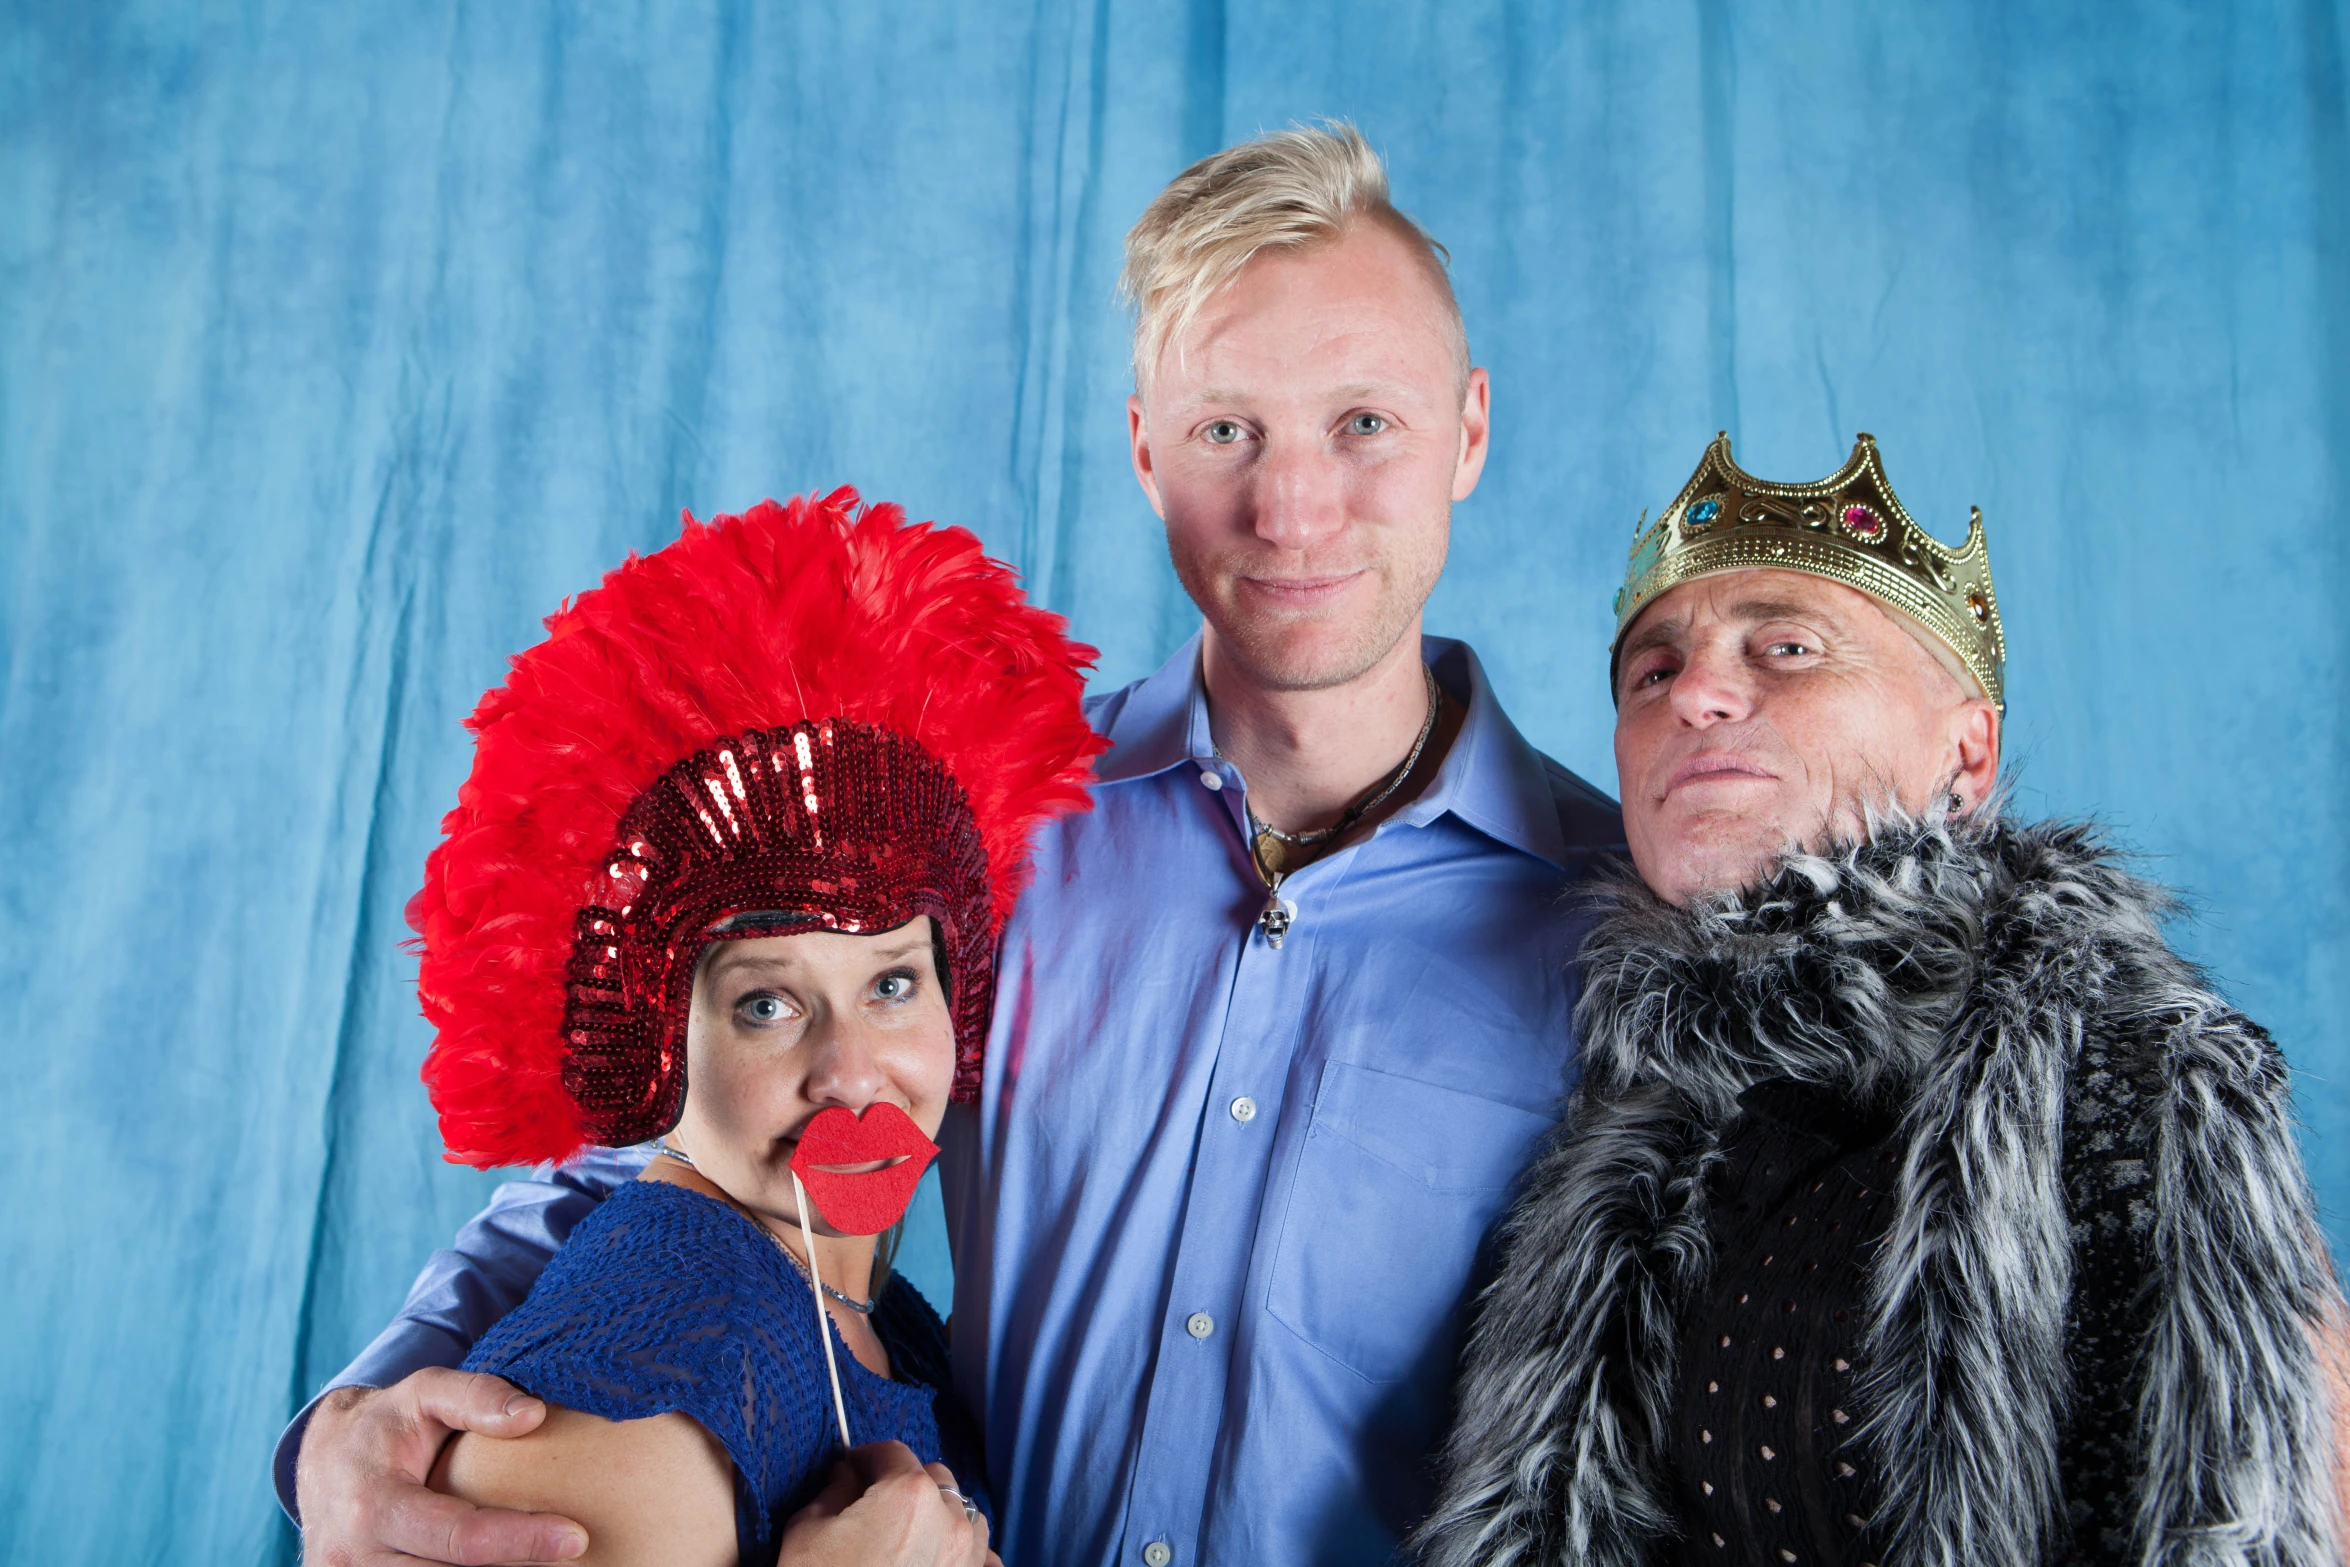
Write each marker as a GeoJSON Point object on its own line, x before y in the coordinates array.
{"type": "Point", "coordinates": [843, 1067]}
{"type": "Point", "coordinates": [1301, 498]}
{"type": "Point", "coordinates": [1712, 688]}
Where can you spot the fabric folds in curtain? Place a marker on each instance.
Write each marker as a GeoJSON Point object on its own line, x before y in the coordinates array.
{"type": "Point", "coordinates": [338, 343]}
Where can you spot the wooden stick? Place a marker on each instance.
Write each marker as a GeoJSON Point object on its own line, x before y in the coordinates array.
{"type": "Point", "coordinates": [823, 1318]}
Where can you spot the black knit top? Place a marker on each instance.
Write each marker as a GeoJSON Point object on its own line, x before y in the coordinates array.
{"type": "Point", "coordinates": [1763, 1467]}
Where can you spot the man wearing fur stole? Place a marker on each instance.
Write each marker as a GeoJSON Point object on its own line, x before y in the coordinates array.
{"type": "Point", "coordinates": [1917, 1204]}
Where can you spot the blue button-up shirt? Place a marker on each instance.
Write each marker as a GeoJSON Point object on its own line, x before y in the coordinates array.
{"type": "Point", "coordinates": [1216, 1216]}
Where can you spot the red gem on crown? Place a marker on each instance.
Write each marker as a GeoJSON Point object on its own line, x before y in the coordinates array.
{"type": "Point", "coordinates": [1863, 523]}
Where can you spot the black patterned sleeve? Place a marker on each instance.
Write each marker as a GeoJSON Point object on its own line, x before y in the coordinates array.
{"type": "Point", "coordinates": [2109, 1192]}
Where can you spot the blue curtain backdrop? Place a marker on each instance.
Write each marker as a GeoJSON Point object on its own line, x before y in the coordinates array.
{"type": "Point", "coordinates": [339, 342]}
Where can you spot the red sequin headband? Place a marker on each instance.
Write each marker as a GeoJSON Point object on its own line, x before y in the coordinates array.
{"type": "Point", "coordinates": [857, 828]}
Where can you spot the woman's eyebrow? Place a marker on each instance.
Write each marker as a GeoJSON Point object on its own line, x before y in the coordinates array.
{"type": "Point", "coordinates": [728, 964]}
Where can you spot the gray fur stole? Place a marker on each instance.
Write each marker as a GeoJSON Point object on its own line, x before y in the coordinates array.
{"type": "Point", "coordinates": [1956, 972]}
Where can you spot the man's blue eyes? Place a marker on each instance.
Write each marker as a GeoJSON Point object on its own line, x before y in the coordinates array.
{"type": "Point", "coordinates": [1224, 432]}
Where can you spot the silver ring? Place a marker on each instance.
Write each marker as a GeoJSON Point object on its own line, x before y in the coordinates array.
{"type": "Point", "coordinates": [970, 1508]}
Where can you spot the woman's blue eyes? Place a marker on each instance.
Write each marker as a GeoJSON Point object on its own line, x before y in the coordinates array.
{"type": "Point", "coordinates": [1365, 424]}
{"type": "Point", "coordinates": [1222, 432]}
{"type": "Point", "coordinates": [764, 1009]}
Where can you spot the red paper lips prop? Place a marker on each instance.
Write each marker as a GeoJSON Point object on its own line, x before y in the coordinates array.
{"type": "Point", "coordinates": [869, 1203]}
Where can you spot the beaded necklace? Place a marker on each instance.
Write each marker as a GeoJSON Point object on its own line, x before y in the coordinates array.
{"type": "Point", "coordinates": [1279, 913]}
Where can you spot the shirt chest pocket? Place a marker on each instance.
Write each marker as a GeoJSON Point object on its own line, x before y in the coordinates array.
{"type": "Point", "coordinates": [1395, 1187]}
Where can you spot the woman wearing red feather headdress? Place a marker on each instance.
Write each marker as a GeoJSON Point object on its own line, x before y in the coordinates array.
{"type": "Point", "coordinates": [728, 873]}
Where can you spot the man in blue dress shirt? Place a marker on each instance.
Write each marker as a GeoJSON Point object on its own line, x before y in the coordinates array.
{"type": "Point", "coordinates": [1279, 1020]}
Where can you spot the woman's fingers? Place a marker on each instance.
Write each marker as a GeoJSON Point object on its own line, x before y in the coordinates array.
{"type": "Point", "coordinates": [885, 1506]}
{"type": "Point", "coordinates": [968, 1547]}
{"type": "Point", "coordinates": [843, 1487]}
{"type": "Point", "coordinates": [879, 1461]}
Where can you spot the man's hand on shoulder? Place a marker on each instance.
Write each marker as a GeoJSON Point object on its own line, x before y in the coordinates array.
{"type": "Point", "coordinates": [360, 1479]}
{"type": "Point", "coordinates": [885, 1508]}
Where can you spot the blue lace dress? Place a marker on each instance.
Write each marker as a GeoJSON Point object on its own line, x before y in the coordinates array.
{"type": "Point", "coordinates": [663, 1299]}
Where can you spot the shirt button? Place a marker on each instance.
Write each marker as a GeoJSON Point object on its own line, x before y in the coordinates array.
{"type": "Point", "coordinates": [1211, 779]}
{"type": "Point", "coordinates": [1244, 1109]}
{"type": "Point", "coordinates": [1158, 1554]}
{"type": "Point", "coordinates": [1199, 1324]}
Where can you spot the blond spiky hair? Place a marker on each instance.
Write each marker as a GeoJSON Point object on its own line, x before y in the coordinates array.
{"type": "Point", "coordinates": [1287, 189]}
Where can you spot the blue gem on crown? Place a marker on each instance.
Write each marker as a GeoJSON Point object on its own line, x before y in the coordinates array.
{"type": "Point", "coordinates": [1705, 511]}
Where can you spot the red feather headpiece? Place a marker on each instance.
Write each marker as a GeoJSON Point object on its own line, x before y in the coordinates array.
{"type": "Point", "coordinates": [810, 708]}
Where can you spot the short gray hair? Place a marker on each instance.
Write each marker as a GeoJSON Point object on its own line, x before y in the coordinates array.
{"type": "Point", "coordinates": [1291, 189]}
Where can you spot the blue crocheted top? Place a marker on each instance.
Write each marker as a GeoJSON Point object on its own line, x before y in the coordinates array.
{"type": "Point", "coordinates": [664, 1299]}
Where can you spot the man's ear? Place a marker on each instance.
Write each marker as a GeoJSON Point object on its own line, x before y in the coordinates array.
{"type": "Point", "coordinates": [1138, 439]}
{"type": "Point", "coordinates": [1975, 725]}
{"type": "Point", "coordinates": [1476, 426]}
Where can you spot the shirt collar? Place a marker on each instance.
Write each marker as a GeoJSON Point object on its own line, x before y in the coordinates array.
{"type": "Point", "coordinates": [1492, 779]}
{"type": "Point", "coordinates": [1162, 723]}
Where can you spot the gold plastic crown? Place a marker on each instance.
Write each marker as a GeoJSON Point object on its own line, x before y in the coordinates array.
{"type": "Point", "coordinates": [1848, 527]}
